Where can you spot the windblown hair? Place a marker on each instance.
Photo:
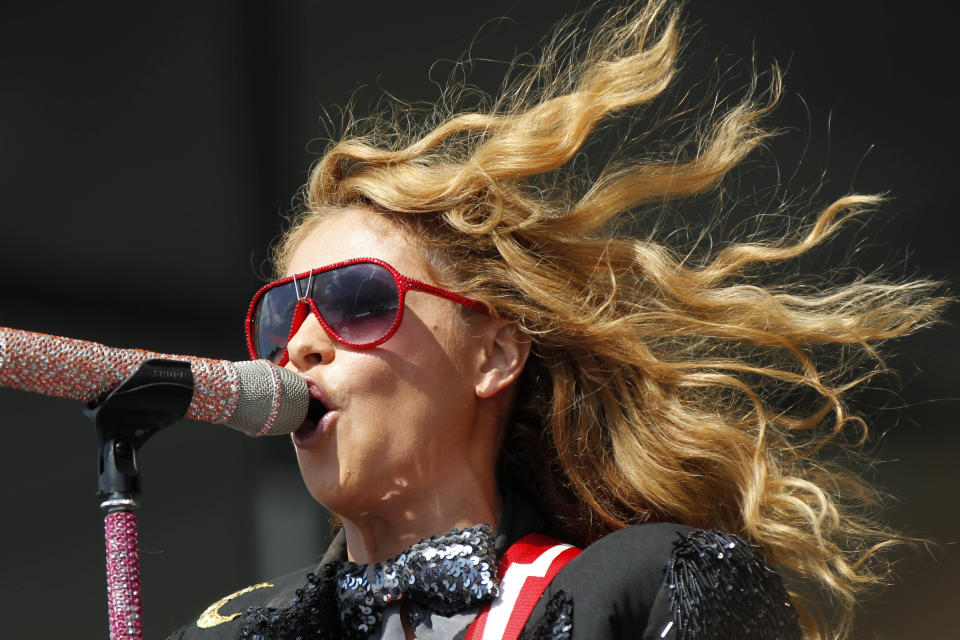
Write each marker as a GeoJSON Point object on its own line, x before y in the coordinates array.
{"type": "Point", "coordinates": [663, 385]}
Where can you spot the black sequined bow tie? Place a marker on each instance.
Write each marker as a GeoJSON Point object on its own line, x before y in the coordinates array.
{"type": "Point", "coordinates": [450, 573]}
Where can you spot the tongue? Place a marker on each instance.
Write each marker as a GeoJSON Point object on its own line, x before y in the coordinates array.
{"type": "Point", "coordinates": [308, 427]}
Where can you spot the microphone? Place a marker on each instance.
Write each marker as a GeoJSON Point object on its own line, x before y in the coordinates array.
{"type": "Point", "coordinates": [255, 397]}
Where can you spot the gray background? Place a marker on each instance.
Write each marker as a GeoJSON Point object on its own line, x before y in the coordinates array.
{"type": "Point", "coordinates": [147, 151]}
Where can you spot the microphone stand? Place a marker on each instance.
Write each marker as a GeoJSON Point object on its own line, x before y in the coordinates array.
{"type": "Point", "coordinates": [154, 396]}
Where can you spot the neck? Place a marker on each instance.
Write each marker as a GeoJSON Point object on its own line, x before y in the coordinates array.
{"type": "Point", "coordinates": [373, 537]}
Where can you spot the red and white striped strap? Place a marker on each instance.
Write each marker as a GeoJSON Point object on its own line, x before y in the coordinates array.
{"type": "Point", "coordinates": [525, 570]}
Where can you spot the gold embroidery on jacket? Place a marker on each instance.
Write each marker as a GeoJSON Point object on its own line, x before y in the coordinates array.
{"type": "Point", "coordinates": [211, 617]}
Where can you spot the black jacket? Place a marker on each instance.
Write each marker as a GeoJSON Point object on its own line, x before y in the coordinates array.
{"type": "Point", "coordinates": [650, 581]}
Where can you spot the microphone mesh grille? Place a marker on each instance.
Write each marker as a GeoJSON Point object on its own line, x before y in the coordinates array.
{"type": "Point", "coordinates": [272, 400]}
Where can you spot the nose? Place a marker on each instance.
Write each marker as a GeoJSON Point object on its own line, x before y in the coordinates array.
{"type": "Point", "coordinates": [310, 345]}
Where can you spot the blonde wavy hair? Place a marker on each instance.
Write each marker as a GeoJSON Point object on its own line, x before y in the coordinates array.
{"type": "Point", "coordinates": [663, 385]}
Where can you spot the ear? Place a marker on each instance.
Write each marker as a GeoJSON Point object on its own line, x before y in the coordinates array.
{"type": "Point", "coordinates": [504, 352]}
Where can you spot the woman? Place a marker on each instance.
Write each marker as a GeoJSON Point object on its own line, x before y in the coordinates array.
{"type": "Point", "coordinates": [499, 356]}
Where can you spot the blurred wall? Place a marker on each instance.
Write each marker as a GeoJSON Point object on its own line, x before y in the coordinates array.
{"type": "Point", "coordinates": [147, 151]}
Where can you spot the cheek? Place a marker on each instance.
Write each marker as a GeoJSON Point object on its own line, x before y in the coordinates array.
{"type": "Point", "coordinates": [428, 365]}
{"type": "Point", "coordinates": [411, 398]}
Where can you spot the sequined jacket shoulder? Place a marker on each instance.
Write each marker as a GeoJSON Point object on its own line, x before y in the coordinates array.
{"type": "Point", "coordinates": [668, 581]}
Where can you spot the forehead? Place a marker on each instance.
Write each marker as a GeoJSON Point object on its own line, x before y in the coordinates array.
{"type": "Point", "coordinates": [358, 233]}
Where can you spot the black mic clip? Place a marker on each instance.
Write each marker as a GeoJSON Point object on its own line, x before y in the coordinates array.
{"type": "Point", "coordinates": [155, 395]}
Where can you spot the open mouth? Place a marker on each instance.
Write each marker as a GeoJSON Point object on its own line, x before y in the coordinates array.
{"type": "Point", "coordinates": [311, 432]}
{"type": "Point", "coordinates": [315, 411]}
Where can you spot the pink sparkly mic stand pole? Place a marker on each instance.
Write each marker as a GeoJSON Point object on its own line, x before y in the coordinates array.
{"type": "Point", "coordinates": [154, 396]}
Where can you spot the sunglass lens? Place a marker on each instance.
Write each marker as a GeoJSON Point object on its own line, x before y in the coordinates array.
{"type": "Point", "coordinates": [358, 301]}
{"type": "Point", "coordinates": [272, 320]}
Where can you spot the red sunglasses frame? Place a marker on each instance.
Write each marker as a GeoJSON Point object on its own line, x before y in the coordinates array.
{"type": "Point", "coordinates": [404, 284]}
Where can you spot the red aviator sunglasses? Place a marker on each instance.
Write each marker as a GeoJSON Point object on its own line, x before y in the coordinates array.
{"type": "Point", "coordinates": [358, 302]}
